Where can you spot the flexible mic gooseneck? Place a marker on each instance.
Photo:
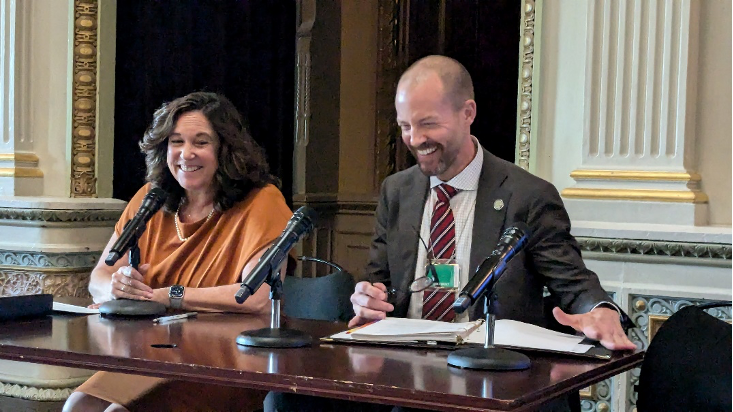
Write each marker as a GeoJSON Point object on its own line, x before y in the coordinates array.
{"type": "Point", "coordinates": [299, 225]}
{"type": "Point", "coordinates": [136, 226]}
{"type": "Point", "coordinates": [490, 270]}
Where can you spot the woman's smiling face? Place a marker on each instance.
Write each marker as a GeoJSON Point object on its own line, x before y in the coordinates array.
{"type": "Point", "coordinates": [193, 152]}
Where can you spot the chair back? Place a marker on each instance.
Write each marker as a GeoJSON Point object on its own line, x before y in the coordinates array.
{"type": "Point", "coordinates": [688, 365]}
{"type": "Point", "coordinates": [320, 298]}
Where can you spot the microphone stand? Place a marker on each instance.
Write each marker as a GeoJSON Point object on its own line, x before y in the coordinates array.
{"type": "Point", "coordinates": [489, 357]}
{"type": "Point", "coordinates": [274, 336]}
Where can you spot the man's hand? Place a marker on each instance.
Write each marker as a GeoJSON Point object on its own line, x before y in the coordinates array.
{"type": "Point", "coordinates": [601, 324]}
{"type": "Point", "coordinates": [369, 302]}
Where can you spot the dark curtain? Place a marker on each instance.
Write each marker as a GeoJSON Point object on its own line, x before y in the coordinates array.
{"type": "Point", "coordinates": [169, 48]}
{"type": "Point", "coordinates": [484, 36]}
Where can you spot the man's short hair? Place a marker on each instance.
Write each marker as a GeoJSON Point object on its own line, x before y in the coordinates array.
{"type": "Point", "coordinates": [454, 76]}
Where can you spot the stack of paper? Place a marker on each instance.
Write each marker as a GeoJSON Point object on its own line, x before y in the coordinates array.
{"type": "Point", "coordinates": [66, 307]}
{"type": "Point", "coordinates": [407, 330]}
{"type": "Point", "coordinates": [524, 335]}
{"type": "Point", "coordinates": [508, 333]}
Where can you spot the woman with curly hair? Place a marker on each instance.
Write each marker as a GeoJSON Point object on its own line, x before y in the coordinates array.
{"type": "Point", "coordinates": [222, 212]}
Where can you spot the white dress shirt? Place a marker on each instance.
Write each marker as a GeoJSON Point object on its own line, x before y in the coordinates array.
{"type": "Point", "coordinates": [463, 205]}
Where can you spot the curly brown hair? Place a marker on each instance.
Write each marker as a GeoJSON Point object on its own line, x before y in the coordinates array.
{"type": "Point", "coordinates": [242, 164]}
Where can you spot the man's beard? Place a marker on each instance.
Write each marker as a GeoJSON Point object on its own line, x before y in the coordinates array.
{"type": "Point", "coordinates": [441, 165]}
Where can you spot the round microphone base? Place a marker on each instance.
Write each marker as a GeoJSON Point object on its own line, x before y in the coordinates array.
{"type": "Point", "coordinates": [274, 338]}
{"type": "Point", "coordinates": [130, 307]}
{"type": "Point", "coordinates": [493, 358]}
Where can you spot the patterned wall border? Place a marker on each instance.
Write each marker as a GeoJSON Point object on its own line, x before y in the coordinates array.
{"type": "Point", "coordinates": [35, 394]}
{"type": "Point", "coordinates": [18, 282]}
{"type": "Point", "coordinates": [48, 260]}
{"type": "Point", "coordinates": [655, 248]}
{"type": "Point", "coordinates": [526, 68]}
{"type": "Point", "coordinates": [84, 100]}
{"type": "Point", "coordinates": [646, 312]}
{"type": "Point", "coordinates": [63, 216]}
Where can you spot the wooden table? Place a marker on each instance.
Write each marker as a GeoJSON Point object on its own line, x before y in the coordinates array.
{"type": "Point", "coordinates": [205, 351]}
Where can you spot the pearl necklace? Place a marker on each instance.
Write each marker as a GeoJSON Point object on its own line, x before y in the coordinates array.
{"type": "Point", "coordinates": [178, 229]}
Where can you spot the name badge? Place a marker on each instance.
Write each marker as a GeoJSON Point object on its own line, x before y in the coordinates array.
{"type": "Point", "coordinates": [447, 271]}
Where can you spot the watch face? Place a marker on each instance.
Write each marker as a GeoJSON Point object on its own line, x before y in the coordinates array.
{"type": "Point", "coordinates": [176, 291]}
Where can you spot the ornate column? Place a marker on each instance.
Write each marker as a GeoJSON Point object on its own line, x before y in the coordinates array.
{"type": "Point", "coordinates": [19, 172]}
{"type": "Point", "coordinates": [55, 113]}
{"type": "Point", "coordinates": [638, 161]}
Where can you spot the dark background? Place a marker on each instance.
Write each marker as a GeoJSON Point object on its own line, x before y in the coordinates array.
{"type": "Point", "coordinates": [484, 36]}
{"type": "Point", "coordinates": [246, 51]}
{"type": "Point", "coordinates": [169, 48]}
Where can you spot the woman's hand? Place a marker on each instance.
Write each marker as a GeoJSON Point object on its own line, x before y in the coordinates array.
{"type": "Point", "coordinates": [127, 283]}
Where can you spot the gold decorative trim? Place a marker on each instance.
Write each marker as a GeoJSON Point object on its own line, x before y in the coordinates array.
{"type": "Point", "coordinates": [634, 175]}
{"type": "Point", "coordinates": [526, 67]}
{"type": "Point", "coordinates": [19, 157]}
{"type": "Point", "coordinates": [84, 100]}
{"type": "Point", "coordinates": [589, 392]}
{"type": "Point", "coordinates": [674, 196]}
{"type": "Point", "coordinates": [20, 172]}
{"type": "Point", "coordinates": [655, 322]}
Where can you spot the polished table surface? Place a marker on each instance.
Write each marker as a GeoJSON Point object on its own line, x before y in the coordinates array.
{"type": "Point", "coordinates": [205, 351]}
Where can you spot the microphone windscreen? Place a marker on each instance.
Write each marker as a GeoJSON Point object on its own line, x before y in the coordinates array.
{"type": "Point", "coordinates": [308, 213]}
{"type": "Point", "coordinates": [522, 227]}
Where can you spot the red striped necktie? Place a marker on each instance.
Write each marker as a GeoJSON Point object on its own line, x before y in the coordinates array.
{"type": "Point", "coordinates": [438, 302]}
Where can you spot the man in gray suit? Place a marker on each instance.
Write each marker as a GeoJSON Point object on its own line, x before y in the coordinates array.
{"type": "Point", "coordinates": [435, 110]}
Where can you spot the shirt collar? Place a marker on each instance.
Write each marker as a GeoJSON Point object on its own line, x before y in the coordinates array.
{"type": "Point", "coordinates": [467, 179]}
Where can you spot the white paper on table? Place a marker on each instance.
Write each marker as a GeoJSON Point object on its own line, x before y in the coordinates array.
{"type": "Point", "coordinates": [65, 307]}
{"type": "Point", "coordinates": [524, 335]}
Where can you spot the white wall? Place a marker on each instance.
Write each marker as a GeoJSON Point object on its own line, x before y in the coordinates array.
{"type": "Point", "coordinates": [559, 130]}
{"type": "Point", "coordinates": [561, 91]}
{"type": "Point", "coordinates": [46, 89]}
{"type": "Point", "coordinates": [714, 108]}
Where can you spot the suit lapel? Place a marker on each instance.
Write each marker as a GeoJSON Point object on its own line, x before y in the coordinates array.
{"type": "Point", "coordinates": [412, 203]}
{"type": "Point", "coordinates": [488, 222]}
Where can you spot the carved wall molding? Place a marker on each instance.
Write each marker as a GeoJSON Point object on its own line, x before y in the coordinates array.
{"type": "Point", "coordinates": [48, 260]}
{"type": "Point", "coordinates": [19, 281]}
{"type": "Point", "coordinates": [598, 398]}
{"type": "Point", "coordinates": [84, 100]}
{"type": "Point", "coordinates": [524, 106]}
{"type": "Point", "coordinates": [62, 216]}
{"type": "Point", "coordinates": [656, 248]}
{"type": "Point", "coordinates": [390, 38]}
{"type": "Point", "coordinates": [35, 394]}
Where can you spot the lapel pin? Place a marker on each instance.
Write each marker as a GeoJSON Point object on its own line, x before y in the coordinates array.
{"type": "Point", "coordinates": [498, 204]}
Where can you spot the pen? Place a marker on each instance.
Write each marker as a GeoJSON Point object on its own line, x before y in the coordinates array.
{"type": "Point", "coordinates": [362, 326]}
{"type": "Point", "coordinates": [175, 317]}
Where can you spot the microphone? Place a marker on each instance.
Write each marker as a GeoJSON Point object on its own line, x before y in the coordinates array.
{"type": "Point", "coordinates": [490, 270]}
{"type": "Point", "coordinates": [136, 226]}
{"type": "Point", "coordinates": [299, 225]}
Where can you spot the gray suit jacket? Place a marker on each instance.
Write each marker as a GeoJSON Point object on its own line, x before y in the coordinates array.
{"type": "Point", "coordinates": [551, 258]}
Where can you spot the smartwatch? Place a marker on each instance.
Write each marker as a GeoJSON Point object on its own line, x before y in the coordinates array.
{"type": "Point", "coordinates": [175, 294]}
